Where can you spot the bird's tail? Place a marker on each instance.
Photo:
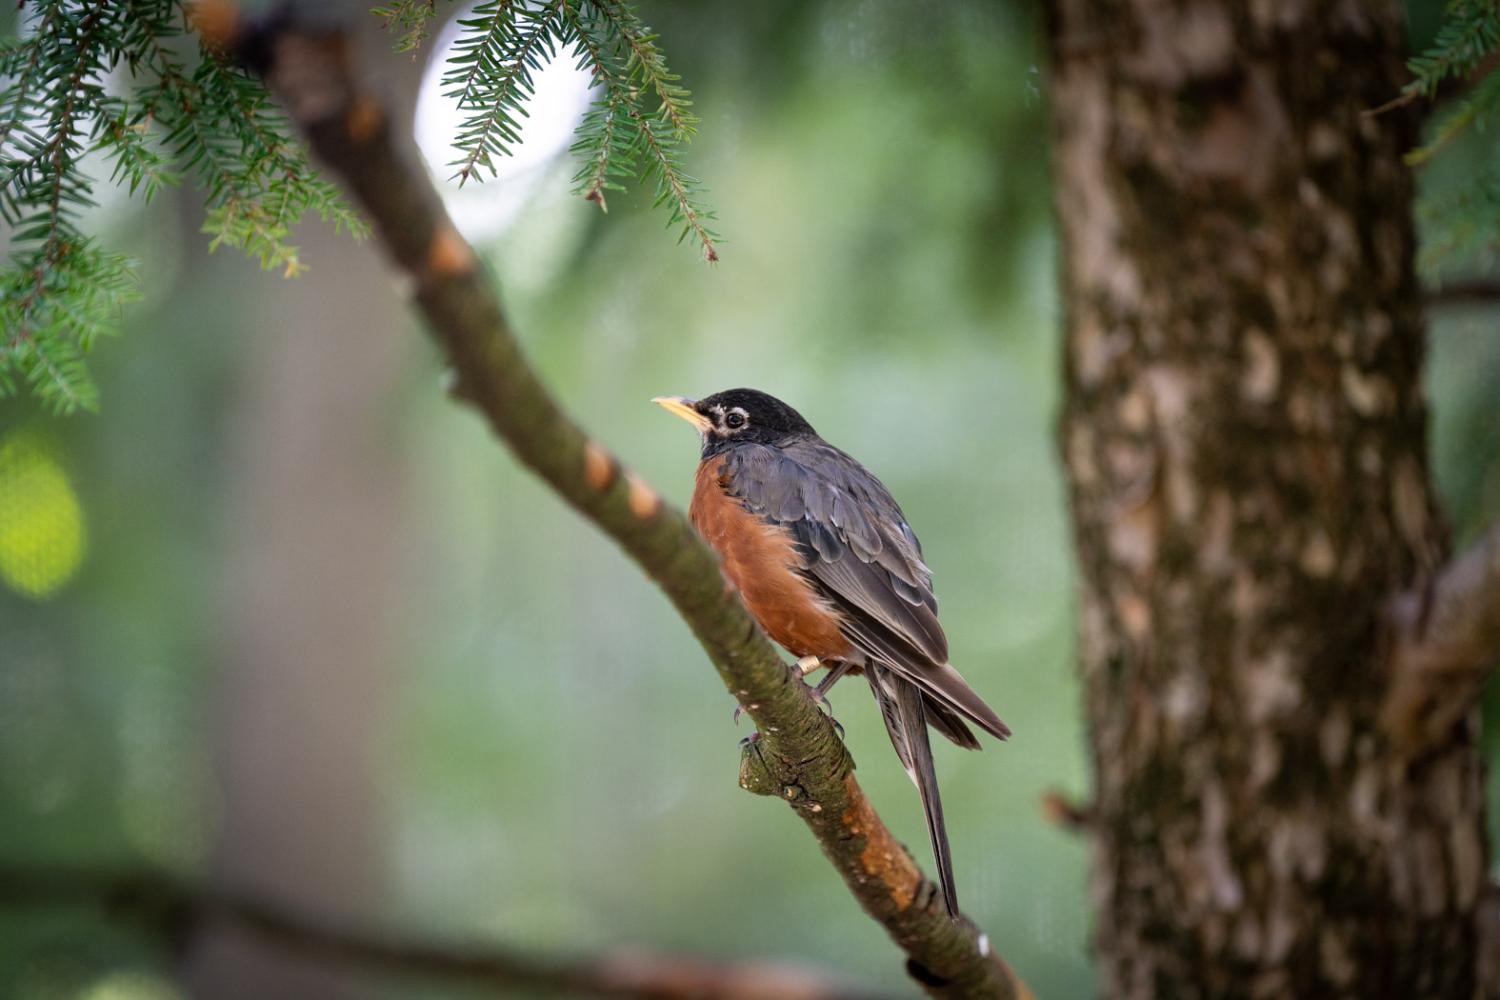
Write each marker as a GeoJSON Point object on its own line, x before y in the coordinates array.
{"type": "Point", "coordinates": [906, 720]}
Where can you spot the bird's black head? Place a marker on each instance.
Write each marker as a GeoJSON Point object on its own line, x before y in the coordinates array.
{"type": "Point", "coordinates": [738, 415]}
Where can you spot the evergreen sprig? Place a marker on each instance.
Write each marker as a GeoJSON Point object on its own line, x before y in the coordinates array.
{"type": "Point", "coordinates": [622, 136]}
{"type": "Point", "coordinates": [218, 123]}
{"type": "Point", "coordinates": [60, 290]}
{"type": "Point", "coordinates": [491, 77]}
{"type": "Point", "coordinates": [1473, 109]}
{"type": "Point", "coordinates": [409, 20]}
{"type": "Point", "coordinates": [114, 81]}
{"type": "Point", "coordinates": [635, 128]}
{"type": "Point", "coordinates": [1469, 33]}
{"type": "Point", "coordinates": [123, 83]}
{"type": "Point", "coordinates": [1467, 217]}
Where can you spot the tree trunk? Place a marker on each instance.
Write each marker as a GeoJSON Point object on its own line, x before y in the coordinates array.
{"type": "Point", "coordinates": [1245, 439]}
{"type": "Point", "coordinates": [316, 577]}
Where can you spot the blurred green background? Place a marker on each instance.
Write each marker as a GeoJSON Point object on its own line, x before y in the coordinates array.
{"type": "Point", "coordinates": [285, 616]}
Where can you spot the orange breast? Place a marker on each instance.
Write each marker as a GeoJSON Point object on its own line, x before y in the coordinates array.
{"type": "Point", "coordinates": [761, 560]}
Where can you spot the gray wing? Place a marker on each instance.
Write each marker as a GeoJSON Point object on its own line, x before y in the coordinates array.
{"type": "Point", "coordinates": [861, 553]}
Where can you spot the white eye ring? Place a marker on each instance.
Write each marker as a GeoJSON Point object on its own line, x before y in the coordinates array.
{"type": "Point", "coordinates": [735, 419]}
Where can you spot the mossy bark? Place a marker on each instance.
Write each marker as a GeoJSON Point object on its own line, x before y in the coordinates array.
{"type": "Point", "coordinates": [1244, 433]}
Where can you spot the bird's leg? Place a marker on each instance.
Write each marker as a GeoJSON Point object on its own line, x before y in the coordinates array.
{"type": "Point", "coordinates": [820, 693]}
{"type": "Point", "coordinates": [806, 665]}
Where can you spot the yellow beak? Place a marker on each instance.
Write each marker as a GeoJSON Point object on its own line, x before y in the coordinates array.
{"type": "Point", "coordinates": [683, 407]}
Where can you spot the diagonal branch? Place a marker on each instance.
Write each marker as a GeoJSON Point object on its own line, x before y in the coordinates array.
{"type": "Point", "coordinates": [1446, 642]}
{"type": "Point", "coordinates": [800, 758]}
{"type": "Point", "coordinates": [159, 903]}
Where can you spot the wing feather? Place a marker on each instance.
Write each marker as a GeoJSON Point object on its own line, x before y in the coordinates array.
{"type": "Point", "coordinates": [862, 554]}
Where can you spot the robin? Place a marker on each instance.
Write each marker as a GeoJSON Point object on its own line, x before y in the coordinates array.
{"type": "Point", "coordinates": [826, 563]}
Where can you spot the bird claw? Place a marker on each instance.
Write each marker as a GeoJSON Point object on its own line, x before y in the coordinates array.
{"type": "Point", "coordinates": [750, 740]}
{"type": "Point", "coordinates": [818, 693]}
{"type": "Point", "coordinates": [927, 894]}
{"type": "Point", "coordinates": [820, 698]}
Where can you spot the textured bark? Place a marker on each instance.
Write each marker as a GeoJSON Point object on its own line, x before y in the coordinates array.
{"type": "Point", "coordinates": [1244, 434]}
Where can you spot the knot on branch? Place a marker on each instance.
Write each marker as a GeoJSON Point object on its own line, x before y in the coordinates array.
{"type": "Point", "coordinates": [764, 771]}
{"type": "Point", "coordinates": [756, 776]}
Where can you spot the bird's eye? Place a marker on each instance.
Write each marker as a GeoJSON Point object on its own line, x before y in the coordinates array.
{"type": "Point", "coordinates": [734, 421]}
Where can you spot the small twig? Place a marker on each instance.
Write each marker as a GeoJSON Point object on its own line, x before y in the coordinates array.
{"type": "Point", "coordinates": [1445, 643]}
{"type": "Point", "coordinates": [180, 912]}
{"type": "Point", "coordinates": [799, 753]}
{"type": "Point", "coordinates": [1063, 812]}
{"type": "Point", "coordinates": [1448, 88]}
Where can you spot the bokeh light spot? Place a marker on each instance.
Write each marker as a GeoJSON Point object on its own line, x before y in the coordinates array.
{"type": "Point", "coordinates": [42, 533]}
{"type": "Point", "coordinates": [130, 986]}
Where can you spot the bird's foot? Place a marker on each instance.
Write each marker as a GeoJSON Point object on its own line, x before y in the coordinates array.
{"type": "Point", "coordinates": [819, 695]}
{"type": "Point", "coordinates": [928, 893]}
{"type": "Point", "coordinates": [751, 739]}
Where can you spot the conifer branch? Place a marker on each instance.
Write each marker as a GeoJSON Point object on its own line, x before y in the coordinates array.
{"type": "Point", "coordinates": [620, 136]}
{"type": "Point", "coordinates": [1470, 32]}
{"type": "Point", "coordinates": [799, 757]}
{"type": "Point", "coordinates": [60, 291]}
{"type": "Point", "coordinates": [409, 20]}
{"type": "Point", "coordinates": [601, 171]}
{"type": "Point", "coordinates": [1461, 63]}
{"type": "Point", "coordinates": [493, 77]}
{"type": "Point", "coordinates": [655, 138]}
{"type": "Point", "coordinates": [647, 64]}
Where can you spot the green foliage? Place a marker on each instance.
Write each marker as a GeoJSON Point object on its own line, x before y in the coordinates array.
{"type": "Point", "coordinates": [1473, 109]}
{"type": "Point", "coordinates": [1464, 220]}
{"type": "Point", "coordinates": [621, 134]}
{"type": "Point", "coordinates": [183, 110]}
{"type": "Point", "coordinates": [636, 128]}
{"type": "Point", "coordinates": [1470, 31]}
{"type": "Point", "coordinates": [1465, 216]}
{"type": "Point", "coordinates": [491, 77]}
{"type": "Point", "coordinates": [87, 82]}
{"type": "Point", "coordinates": [59, 290]}
{"type": "Point", "coordinates": [409, 20]}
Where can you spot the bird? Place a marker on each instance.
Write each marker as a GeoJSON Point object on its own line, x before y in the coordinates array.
{"type": "Point", "coordinates": [827, 564]}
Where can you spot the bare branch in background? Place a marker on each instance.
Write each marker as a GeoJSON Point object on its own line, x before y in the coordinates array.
{"type": "Point", "coordinates": [799, 757]}
{"type": "Point", "coordinates": [1464, 293]}
{"type": "Point", "coordinates": [1065, 812]}
{"type": "Point", "coordinates": [162, 904]}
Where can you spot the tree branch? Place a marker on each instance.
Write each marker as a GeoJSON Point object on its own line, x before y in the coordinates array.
{"type": "Point", "coordinates": [1478, 291]}
{"type": "Point", "coordinates": [799, 757]}
{"type": "Point", "coordinates": [1445, 643]}
{"type": "Point", "coordinates": [162, 904]}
